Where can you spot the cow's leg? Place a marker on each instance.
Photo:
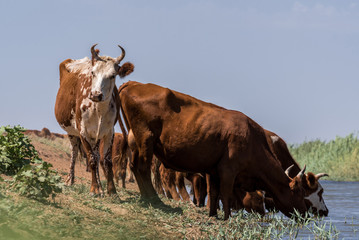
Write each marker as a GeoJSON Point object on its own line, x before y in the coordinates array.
{"type": "Point", "coordinates": [75, 147]}
{"type": "Point", "coordinates": [157, 182]}
{"type": "Point", "coordinates": [130, 172]}
{"type": "Point", "coordinates": [134, 169]}
{"type": "Point", "coordinates": [93, 162]}
{"type": "Point", "coordinates": [106, 162]}
{"type": "Point", "coordinates": [195, 199]}
{"type": "Point", "coordinates": [116, 168]}
{"type": "Point", "coordinates": [170, 182]}
{"type": "Point", "coordinates": [143, 168]}
{"type": "Point", "coordinates": [199, 190]}
{"type": "Point", "coordinates": [123, 168]}
{"type": "Point", "coordinates": [227, 176]}
{"type": "Point", "coordinates": [182, 187]}
{"type": "Point", "coordinates": [213, 193]}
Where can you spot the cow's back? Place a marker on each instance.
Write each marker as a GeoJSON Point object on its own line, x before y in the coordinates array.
{"type": "Point", "coordinates": [201, 129]}
{"type": "Point", "coordinates": [66, 97]}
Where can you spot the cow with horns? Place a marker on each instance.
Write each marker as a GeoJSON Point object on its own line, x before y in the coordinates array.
{"type": "Point", "coordinates": [187, 134]}
{"type": "Point", "coordinates": [87, 107]}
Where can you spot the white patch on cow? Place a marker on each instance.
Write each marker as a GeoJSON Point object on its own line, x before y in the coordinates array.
{"type": "Point", "coordinates": [316, 201]}
{"type": "Point", "coordinates": [82, 66]}
{"type": "Point", "coordinates": [274, 138]}
{"type": "Point", "coordinates": [104, 71]}
{"type": "Point", "coordinates": [97, 120]}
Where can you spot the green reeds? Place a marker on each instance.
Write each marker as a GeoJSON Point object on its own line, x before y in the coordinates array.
{"type": "Point", "coordinates": [339, 158]}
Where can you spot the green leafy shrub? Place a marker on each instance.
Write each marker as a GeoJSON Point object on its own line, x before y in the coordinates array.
{"type": "Point", "coordinates": [33, 177]}
{"type": "Point", "coordinates": [16, 150]}
{"type": "Point", "coordinates": [37, 180]}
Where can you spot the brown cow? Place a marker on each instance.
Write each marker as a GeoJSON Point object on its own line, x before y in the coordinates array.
{"type": "Point", "coordinates": [87, 106]}
{"type": "Point", "coordinates": [167, 181]}
{"type": "Point", "coordinates": [313, 189]}
{"type": "Point", "coordinates": [187, 134]}
{"type": "Point", "coordinates": [250, 201]}
{"type": "Point", "coordinates": [120, 155]}
{"type": "Point", "coordinates": [171, 183]}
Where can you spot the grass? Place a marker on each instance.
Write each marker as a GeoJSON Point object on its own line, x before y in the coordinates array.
{"type": "Point", "coordinates": [76, 215]}
{"type": "Point", "coordinates": [339, 157]}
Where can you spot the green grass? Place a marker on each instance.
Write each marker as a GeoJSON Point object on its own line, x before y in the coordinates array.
{"type": "Point", "coordinates": [339, 158]}
{"type": "Point", "coordinates": [76, 215]}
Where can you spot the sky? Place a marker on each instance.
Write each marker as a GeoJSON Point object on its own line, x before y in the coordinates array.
{"type": "Point", "coordinates": [292, 66]}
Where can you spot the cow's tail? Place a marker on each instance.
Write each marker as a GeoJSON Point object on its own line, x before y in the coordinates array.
{"type": "Point", "coordinates": [123, 129]}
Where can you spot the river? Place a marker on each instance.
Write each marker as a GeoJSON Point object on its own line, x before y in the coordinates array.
{"type": "Point", "coordinates": [342, 200]}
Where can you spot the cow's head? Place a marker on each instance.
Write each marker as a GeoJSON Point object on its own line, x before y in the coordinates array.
{"type": "Point", "coordinates": [104, 72]}
{"type": "Point", "coordinates": [313, 191]}
{"type": "Point", "coordinates": [314, 194]}
{"type": "Point", "coordinates": [254, 201]}
{"type": "Point", "coordinates": [296, 187]}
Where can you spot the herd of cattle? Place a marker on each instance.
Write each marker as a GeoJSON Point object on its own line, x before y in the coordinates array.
{"type": "Point", "coordinates": [224, 154]}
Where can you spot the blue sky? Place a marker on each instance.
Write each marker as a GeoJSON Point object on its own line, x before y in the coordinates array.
{"type": "Point", "coordinates": [292, 66]}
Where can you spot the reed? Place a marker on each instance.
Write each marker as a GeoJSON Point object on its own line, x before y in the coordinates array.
{"type": "Point", "coordinates": [339, 157]}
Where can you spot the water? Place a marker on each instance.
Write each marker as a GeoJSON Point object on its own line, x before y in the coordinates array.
{"type": "Point", "coordinates": [342, 200]}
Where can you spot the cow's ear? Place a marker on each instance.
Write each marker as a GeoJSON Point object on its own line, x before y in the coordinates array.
{"type": "Point", "coordinates": [126, 69]}
{"type": "Point", "coordinates": [311, 180]}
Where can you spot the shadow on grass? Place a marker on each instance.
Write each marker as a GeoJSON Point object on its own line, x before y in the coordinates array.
{"type": "Point", "coordinates": [157, 203]}
{"type": "Point", "coordinates": [124, 196]}
{"type": "Point", "coordinates": [154, 202]}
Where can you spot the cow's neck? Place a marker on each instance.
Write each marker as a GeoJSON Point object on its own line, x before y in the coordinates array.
{"type": "Point", "coordinates": [98, 120]}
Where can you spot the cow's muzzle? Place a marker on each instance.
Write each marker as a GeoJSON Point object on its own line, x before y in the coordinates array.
{"type": "Point", "coordinates": [96, 96]}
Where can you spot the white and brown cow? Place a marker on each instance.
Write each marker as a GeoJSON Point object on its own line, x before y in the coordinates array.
{"type": "Point", "coordinates": [312, 188]}
{"type": "Point", "coordinates": [87, 107]}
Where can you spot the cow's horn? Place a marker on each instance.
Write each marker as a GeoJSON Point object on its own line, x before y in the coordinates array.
{"type": "Point", "coordinates": [319, 175]}
{"type": "Point", "coordinates": [301, 173]}
{"type": "Point", "coordinates": [119, 59]}
{"type": "Point", "coordinates": [288, 169]}
{"type": "Point", "coordinates": [94, 54]}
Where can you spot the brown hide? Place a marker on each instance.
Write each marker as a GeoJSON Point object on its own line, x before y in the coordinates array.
{"type": "Point", "coordinates": [187, 134]}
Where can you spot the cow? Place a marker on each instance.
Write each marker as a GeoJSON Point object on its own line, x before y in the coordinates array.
{"type": "Point", "coordinates": [250, 201]}
{"type": "Point", "coordinates": [313, 189]}
{"type": "Point", "coordinates": [171, 183]}
{"type": "Point", "coordinates": [121, 153]}
{"type": "Point", "coordinates": [87, 107]}
{"type": "Point", "coordinates": [190, 135]}
{"type": "Point", "coordinates": [199, 188]}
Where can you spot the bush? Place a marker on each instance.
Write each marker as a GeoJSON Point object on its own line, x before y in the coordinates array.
{"type": "Point", "coordinates": [37, 180]}
{"type": "Point", "coordinates": [16, 150]}
{"type": "Point", "coordinates": [33, 176]}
